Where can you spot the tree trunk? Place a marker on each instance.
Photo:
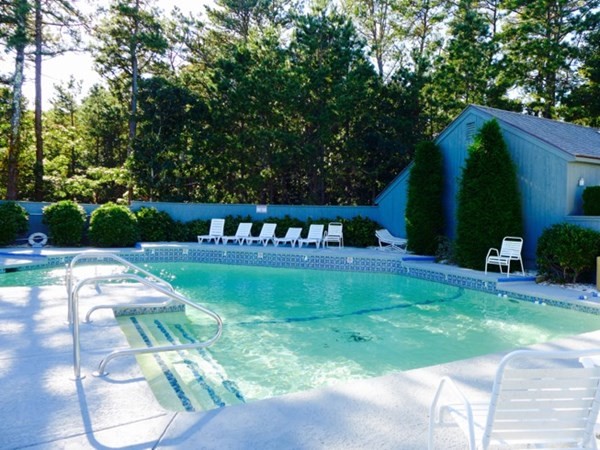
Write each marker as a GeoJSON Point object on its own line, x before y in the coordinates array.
{"type": "Point", "coordinates": [14, 140]}
{"type": "Point", "coordinates": [39, 142]}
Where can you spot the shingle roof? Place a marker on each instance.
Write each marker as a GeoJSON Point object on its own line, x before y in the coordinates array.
{"type": "Point", "coordinates": [574, 139]}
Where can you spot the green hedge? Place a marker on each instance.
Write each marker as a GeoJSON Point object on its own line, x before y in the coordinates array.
{"type": "Point", "coordinates": [591, 201]}
{"type": "Point", "coordinates": [113, 225]}
{"type": "Point", "coordinates": [66, 223]}
{"type": "Point", "coordinates": [565, 251]}
{"type": "Point", "coordinates": [13, 221]}
{"type": "Point", "coordinates": [154, 225]}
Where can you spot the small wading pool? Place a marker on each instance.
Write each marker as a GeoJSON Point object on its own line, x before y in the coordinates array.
{"type": "Point", "coordinates": [287, 330]}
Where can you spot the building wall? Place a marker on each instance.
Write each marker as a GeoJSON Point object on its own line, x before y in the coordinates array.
{"type": "Point", "coordinates": [392, 204]}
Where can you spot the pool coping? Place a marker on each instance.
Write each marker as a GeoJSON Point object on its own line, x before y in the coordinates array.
{"type": "Point", "coordinates": [55, 412]}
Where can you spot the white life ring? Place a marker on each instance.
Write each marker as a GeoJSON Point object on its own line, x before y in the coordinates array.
{"type": "Point", "coordinates": [38, 239]}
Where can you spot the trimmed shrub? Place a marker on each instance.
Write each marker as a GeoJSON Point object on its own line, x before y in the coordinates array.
{"type": "Point", "coordinates": [591, 201]}
{"type": "Point", "coordinates": [565, 251]}
{"type": "Point", "coordinates": [113, 225]}
{"type": "Point", "coordinates": [66, 223]}
{"type": "Point", "coordinates": [489, 202]}
{"type": "Point", "coordinates": [13, 221]}
{"type": "Point", "coordinates": [358, 231]}
{"type": "Point", "coordinates": [179, 232]}
{"type": "Point", "coordinates": [424, 210]}
{"type": "Point", "coordinates": [154, 225]}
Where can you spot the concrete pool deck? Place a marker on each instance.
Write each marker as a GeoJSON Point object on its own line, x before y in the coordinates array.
{"type": "Point", "coordinates": [42, 407]}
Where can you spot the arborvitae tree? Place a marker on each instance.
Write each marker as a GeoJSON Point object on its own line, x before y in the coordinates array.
{"type": "Point", "coordinates": [424, 211]}
{"type": "Point", "coordinates": [489, 202]}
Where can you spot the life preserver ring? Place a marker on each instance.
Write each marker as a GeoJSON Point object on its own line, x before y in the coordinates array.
{"type": "Point", "coordinates": [38, 239]}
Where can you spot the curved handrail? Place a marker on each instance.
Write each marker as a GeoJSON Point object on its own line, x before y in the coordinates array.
{"type": "Point", "coordinates": [74, 313]}
{"type": "Point", "coordinates": [102, 256]}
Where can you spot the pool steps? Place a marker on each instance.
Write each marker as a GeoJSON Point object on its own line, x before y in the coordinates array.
{"type": "Point", "coordinates": [74, 285]}
{"type": "Point", "coordinates": [183, 380]}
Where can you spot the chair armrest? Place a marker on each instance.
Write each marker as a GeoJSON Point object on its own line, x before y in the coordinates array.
{"type": "Point", "coordinates": [434, 410]}
{"type": "Point", "coordinates": [495, 250]}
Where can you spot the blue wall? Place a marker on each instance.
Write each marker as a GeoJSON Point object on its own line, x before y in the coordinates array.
{"type": "Point", "coordinates": [392, 204]}
{"type": "Point", "coordinates": [186, 212]}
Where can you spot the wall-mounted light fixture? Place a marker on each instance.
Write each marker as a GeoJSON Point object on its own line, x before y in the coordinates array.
{"type": "Point", "coordinates": [581, 181]}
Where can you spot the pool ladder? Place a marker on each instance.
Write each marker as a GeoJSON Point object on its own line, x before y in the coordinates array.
{"type": "Point", "coordinates": [149, 280]}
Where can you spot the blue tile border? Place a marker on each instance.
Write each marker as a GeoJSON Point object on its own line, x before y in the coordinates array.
{"type": "Point", "coordinates": [263, 257]}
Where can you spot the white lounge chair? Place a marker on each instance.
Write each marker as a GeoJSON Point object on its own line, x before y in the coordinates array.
{"type": "Point", "coordinates": [539, 400]}
{"type": "Point", "coordinates": [215, 233]}
{"type": "Point", "coordinates": [267, 233]}
{"type": "Point", "coordinates": [291, 237]}
{"type": "Point", "coordinates": [510, 251]}
{"type": "Point", "coordinates": [315, 236]}
{"type": "Point", "coordinates": [387, 240]}
{"type": "Point", "coordinates": [335, 234]}
{"type": "Point", "coordinates": [243, 231]}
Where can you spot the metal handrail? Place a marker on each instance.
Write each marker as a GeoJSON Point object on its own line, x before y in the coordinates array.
{"type": "Point", "coordinates": [102, 256]}
{"type": "Point", "coordinates": [163, 287]}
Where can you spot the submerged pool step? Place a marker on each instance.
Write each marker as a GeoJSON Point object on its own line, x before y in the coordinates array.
{"type": "Point", "coordinates": [182, 380]}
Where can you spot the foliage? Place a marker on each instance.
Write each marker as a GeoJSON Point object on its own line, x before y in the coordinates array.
{"type": "Point", "coordinates": [591, 201]}
{"type": "Point", "coordinates": [197, 227]}
{"type": "Point", "coordinates": [154, 225]}
{"type": "Point", "coordinates": [13, 221]}
{"type": "Point", "coordinates": [565, 251]}
{"type": "Point", "coordinates": [359, 231]}
{"type": "Point", "coordinates": [66, 223]}
{"type": "Point", "coordinates": [489, 202]}
{"type": "Point", "coordinates": [541, 42]}
{"type": "Point", "coordinates": [279, 101]}
{"type": "Point", "coordinates": [165, 161]}
{"type": "Point", "coordinates": [424, 210]}
{"type": "Point", "coordinates": [113, 225]}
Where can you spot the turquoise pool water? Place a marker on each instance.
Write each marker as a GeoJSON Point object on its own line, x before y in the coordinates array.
{"type": "Point", "coordinates": [287, 330]}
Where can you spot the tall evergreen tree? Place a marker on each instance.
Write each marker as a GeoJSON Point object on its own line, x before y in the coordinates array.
{"type": "Point", "coordinates": [489, 201]}
{"type": "Point", "coordinates": [130, 44]}
{"type": "Point", "coordinates": [583, 103]}
{"type": "Point", "coordinates": [541, 41]}
{"type": "Point", "coordinates": [467, 71]}
{"type": "Point", "coordinates": [424, 210]}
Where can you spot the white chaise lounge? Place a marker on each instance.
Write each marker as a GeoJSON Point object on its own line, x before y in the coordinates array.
{"type": "Point", "coordinates": [267, 233]}
{"type": "Point", "coordinates": [387, 240]}
{"type": "Point", "coordinates": [215, 233]}
{"type": "Point", "coordinates": [243, 231]}
{"type": "Point", "coordinates": [315, 236]}
{"type": "Point", "coordinates": [291, 237]}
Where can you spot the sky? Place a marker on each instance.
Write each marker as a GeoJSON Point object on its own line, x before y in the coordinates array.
{"type": "Point", "coordinates": [80, 65]}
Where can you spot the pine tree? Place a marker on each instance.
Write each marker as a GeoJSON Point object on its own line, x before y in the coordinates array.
{"type": "Point", "coordinates": [424, 211]}
{"type": "Point", "coordinates": [489, 202]}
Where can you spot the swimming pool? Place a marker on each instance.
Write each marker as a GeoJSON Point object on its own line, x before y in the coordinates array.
{"type": "Point", "coordinates": [287, 330]}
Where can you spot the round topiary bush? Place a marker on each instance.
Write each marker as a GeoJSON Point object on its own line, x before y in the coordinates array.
{"type": "Point", "coordinates": [154, 225]}
{"type": "Point", "coordinates": [66, 223]}
{"type": "Point", "coordinates": [113, 225]}
{"type": "Point", "coordinates": [13, 221]}
{"type": "Point", "coordinates": [564, 251]}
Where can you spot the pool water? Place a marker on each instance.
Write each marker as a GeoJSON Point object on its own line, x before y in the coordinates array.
{"type": "Point", "coordinates": [288, 330]}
